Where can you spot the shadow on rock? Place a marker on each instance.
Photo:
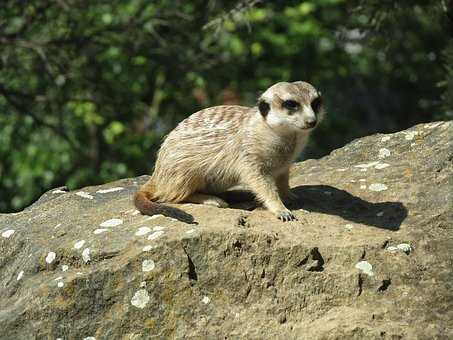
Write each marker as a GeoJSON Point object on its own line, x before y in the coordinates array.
{"type": "Point", "coordinates": [332, 201]}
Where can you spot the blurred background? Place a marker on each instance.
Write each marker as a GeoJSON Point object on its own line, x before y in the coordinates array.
{"type": "Point", "coordinates": [88, 89]}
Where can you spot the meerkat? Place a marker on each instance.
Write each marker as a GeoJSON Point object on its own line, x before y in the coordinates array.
{"type": "Point", "coordinates": [220, 147]}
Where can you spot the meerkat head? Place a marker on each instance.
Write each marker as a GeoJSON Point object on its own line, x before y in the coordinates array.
{"type": "Point", "coordinates": [293, 106]}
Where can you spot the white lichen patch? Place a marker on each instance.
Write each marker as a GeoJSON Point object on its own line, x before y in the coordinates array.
{"type": "Point", "coordinates": [385, 138]}
{"type": "Point", "coordinates": [79, 244]}
{"type": "Point", "coordinates": [155, 216]}
{"type": "Point", "coordinates": [86, 255]}
{"type": "Point", "coordinates": [19, 276]}
{"type": "Point", "coordinates": [89, 338]}
{"type": "Point", "coordinates": [113, 222]}
{"type": "Point", "coordinates": [341, 170]}
{"type": "Point", "coordinates": [380, 213]}
{"type": "Point", "coordinates": [140, 299]}
{"type": "Point", "coordinates": [363, 187]}
{"type": "Point", "coordinates": [349, 226]}
{"type": "Point", "coordinates": [60, 284]}
{"type": "Point", "coordinates": [405, 247]}
{"type": "Point", "coordinates": [100, 231]}
{"type": "Point", "coordinates": [155, 235]}
{"type": "Point", "coordinates": [148, 265]}
{"type": "Point", "coordinates": [57, 226]}
{"type": "Point", "coordinates": [143, 284]}
{"type": "Point", "coordinates": [105, 191]}
{"type": "Point", "coordinates": [135, 213]}
{"type": "Point", "coordinates": [143, 231]}
{"type": "Point", "coordinates": [84, 195]}
{"type": "Point", "coordinates": [8, 233]}
{"type": "Point", "coordinates": [158, 228]}
{"type": "Point", "coordinates": [409, 135]}
{"type": "Point", "coordinates": [206, 300]}
{"type": "Point", "coordinates": [365, 267]}
{"type": "Point", "coordinates": [58, 191]}
{"type": "Point", "coordinates": [383, 153]}
{"type": "Point", "coordinates": [50, 257]}
{"type": "Point", "coordinates": [148, 248]}
{"type": "Point", "coordinates": [377, 187]}
{"type": "Point", "coordinates": [58, 278]}
{"type": "Point", "coordinates": [362, 180]}
{"type": "Point", "coordinates": [190, 231]}
{"type": "Point", "coordinates": [381, 166]}
{"type": "Point", "coordinates": [64, 267]}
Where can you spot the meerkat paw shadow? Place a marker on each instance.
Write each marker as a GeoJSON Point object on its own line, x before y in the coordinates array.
{"type": "Point", "coordinates": [291, 199]}
{"type": "Point", "coordinates": [294, 202]}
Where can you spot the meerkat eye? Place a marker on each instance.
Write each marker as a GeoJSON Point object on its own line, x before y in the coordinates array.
{"type": "Point", "coordinates": [290, 105]}
{"type": "Point", "coordinates": [316, 104]}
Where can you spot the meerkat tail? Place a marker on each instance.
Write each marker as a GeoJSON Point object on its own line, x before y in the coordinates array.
{"type": "Point", "coordinates": [144, 203]}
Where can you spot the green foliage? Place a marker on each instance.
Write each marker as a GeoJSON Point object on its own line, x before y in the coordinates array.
{"type": "Point", "coordinates": [89, 89]}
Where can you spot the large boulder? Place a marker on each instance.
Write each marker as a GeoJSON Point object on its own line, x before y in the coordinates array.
{"type": "Point", "coordinates": [370, 256]}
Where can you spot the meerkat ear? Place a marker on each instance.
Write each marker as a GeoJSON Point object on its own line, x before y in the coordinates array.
{"type": "Point", "coordinates": [263, 107]}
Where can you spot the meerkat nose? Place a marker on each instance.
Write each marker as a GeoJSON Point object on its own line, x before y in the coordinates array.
{"type": "Point", "coordinates": [310, 123]}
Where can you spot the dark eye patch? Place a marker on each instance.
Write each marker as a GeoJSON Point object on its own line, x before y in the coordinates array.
{"type": "Point", "coordinates": [290, 105]}
{"type": "Point", "coordinates": [316, 104]}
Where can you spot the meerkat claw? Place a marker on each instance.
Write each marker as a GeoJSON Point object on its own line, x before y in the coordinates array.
{"type": "Point", "coordinates": [287, 216]}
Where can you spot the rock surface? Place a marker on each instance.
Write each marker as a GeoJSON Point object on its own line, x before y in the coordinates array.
{"type": "Point", "coordinates": [370, 257]}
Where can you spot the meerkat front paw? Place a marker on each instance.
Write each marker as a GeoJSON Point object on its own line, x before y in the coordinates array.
{"type": "Point", "coordinates": [286, 216]}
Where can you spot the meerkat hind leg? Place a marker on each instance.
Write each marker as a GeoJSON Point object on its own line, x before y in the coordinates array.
{"type": "Point", "coordinates": [206, 199]}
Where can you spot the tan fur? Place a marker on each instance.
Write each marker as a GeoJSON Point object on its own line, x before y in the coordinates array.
{"type": "Point", "coordinates": [220, 147]}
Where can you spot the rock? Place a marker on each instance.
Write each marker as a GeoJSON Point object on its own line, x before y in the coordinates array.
{"type": "Point", "coordinates": [238, 273]}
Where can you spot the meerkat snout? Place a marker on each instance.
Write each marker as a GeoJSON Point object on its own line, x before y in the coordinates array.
{"type": "Point", "coordinates": [220, 147]}
{"type": "Point", "coordinates": [308, 118]}
{"type": "Point", "coordinates": [310, 123]}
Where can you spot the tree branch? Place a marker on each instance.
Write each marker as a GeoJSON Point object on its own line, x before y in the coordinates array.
{"type": "Point", "coordinates": [240, 8]}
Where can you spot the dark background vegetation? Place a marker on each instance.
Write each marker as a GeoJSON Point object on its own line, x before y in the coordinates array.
{"type": "Point", "coordinates": [88, 89]}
